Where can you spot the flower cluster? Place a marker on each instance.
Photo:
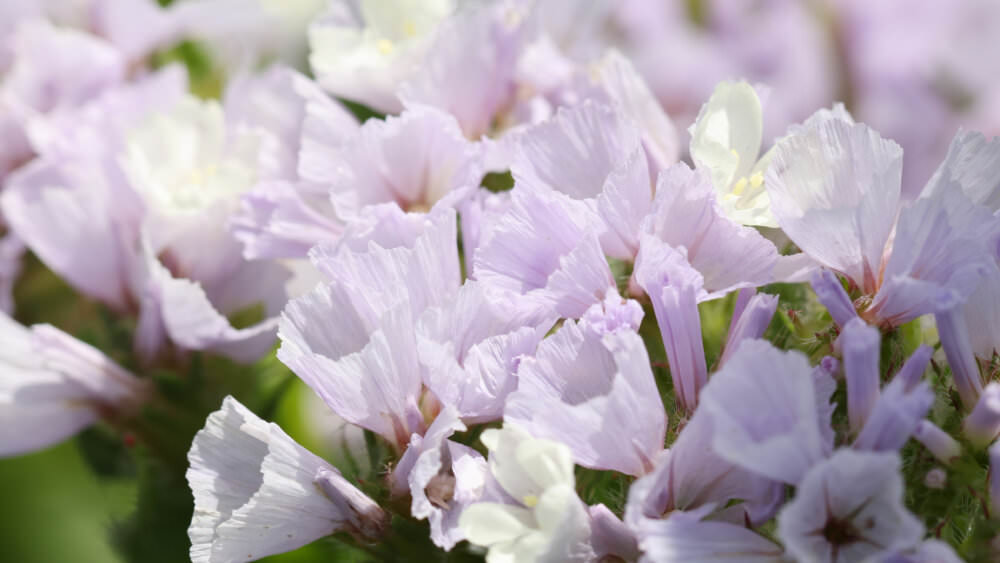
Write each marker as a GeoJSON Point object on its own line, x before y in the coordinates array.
{"type": "Point", "coordinates": [511, 275]}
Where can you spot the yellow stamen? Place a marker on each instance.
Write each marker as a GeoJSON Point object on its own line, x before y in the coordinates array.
{"type": "Point", "coordinates": [409, 29]}
{"type": "Point", "coordinates": [739, 186]}
{"type": "Point", "coordinates": [530, 501]}
{"type": "Point", "coordinates": [757, 180]}
{"type": "Point", "coordinates": [384, 46]}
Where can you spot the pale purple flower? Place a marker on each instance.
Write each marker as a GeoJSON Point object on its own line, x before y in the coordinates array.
{"type": "Point", "coordinates": [763, 405]}
{"type": "Point", "coordinates": [691, 536]}
{"type": "Point", "coordinates": [569, 273]}
{"type": "Point", "coordinates": [851, 219]}
{"type": "Point", "coordinates": [982, 425]}
{"type": "Point", "coordinates": [686, 213]}
{"type": "Point", "coordinates": [937, 441]}
{"type": "Point", "coordinates": [419, 159]}
{"type": "Point", "coordinates": [472, 346]}
{"type": "Point", "coordinates": [257, 492]}
{"type": "Point", "coordinates": [928, 551]}
{"type": "Point", "coordinates": [674, 288]}
{"type": "Point", "coordinates": [750, 319]}
{"type": "Point", "coordinates": [614, 314]}
{"type": "Point", "coordinates": [596, 394]}
{"type": "Point", "coordinates": [847, 508]}
{"type": "Point", "coordinates": [52, 386]}
{"type": "Point", "coordinates": [593, 154]}
{"type": "Point", "coordinates": [468, 70]}
{"type": "Point", "coordinates": [691, 475]}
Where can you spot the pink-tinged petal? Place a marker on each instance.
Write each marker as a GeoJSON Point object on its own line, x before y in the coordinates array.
{"type": "Point", "coordinates": [943, 241]}
{"type": "Point", "coordinates": [835, 190]}
{"type": "Point", "coordinates": [764, 410]}
{"type": "Point", "coordinates": [593, 154]}
{"type": "Point", "coordinates": [589, 391]}
{"type": "Point", "coordinates": [569, 273]}
{"type": "Point", "coordinates": [52, 386]}
{"type": "Point", "coordinates": [686, 214]}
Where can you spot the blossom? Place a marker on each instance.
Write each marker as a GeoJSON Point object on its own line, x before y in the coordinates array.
{"type": "Point", "coordinates": [983, 423]}
{"type": "Point", "coordinates": [596, 394]}
{"type": "Point", "coordinates": [686, 536]}
{"type": "Point", "coordinates": [751, 316]}
{"type": "Point", "coordinates": [364, 50]}
{"type": "Point", "coordinates": [847, 508]}
{"type": "Point", "coordinates": [725, 142]}
{"type": "Point", "coordinates": [852, 219]}
{"type": "Point", "coordinates": [544, 520]}
{"type": "Point", "coordinates": [442, 476]}
{"type": "Point", "coordinates": [258, 493]}
{"type": "Point", "coordinates": [52, 386]}
{"type": "Point", "coordinates": [764, 409]}
{"type": "Point", "coordinates": [900, 407]}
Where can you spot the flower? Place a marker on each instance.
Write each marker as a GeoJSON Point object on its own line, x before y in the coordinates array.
{"type": "Point", "coordinates": [847, 508]}
{"type": "Point", "coordinates": [258, 493]}
{"type": "Point", "coordinates": [543, 519]}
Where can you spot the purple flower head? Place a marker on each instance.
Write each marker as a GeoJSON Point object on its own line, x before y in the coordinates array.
{"type": "Point", "coordinates": [983, 423]}
{"type": "Point", "coordinates": [860, 346]}
{"type": "Point", "coordinates": [847, 508]}
{"type": "Point", "coordinates": [568, 273]}
{"type": "Point", "coordinates": [749, 321]}
{"type": "Point", "coordinates": [589, 391]}
{"type": "Point", "coordinates": [691, 536]}
{"type": "Point", "coordinates": [472, 347]}
{"type": "Point", "coordinates": [954, 335]}
{"type": "Point", "coordinates": [763, 405]}
{"type": "Point", "coordinates": [593, 154]}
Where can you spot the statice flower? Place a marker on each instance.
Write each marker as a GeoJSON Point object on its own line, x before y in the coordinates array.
{"type": "Point", "coordinates": [590, 391]}
{"type": "Point", "coordinates": [542, 519]}
{"type": "Point", "coordinates": [258, 493]}
{"type": "Point", "coordinates": [52, 386]}
{"type": "Point", "coordinates": [848, 508]}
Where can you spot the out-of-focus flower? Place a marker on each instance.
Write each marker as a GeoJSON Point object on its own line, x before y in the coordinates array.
{"type": "Point", "coordinates": [52, 386]}
{"type": "Point", "coordinates": [364, 49]}
{"type": "Point", "coordinates": [257, 492]}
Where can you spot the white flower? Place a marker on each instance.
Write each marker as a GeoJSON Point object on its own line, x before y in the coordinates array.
{"type": "Point", "coordinates": [184, 160]}
{"type": "Point", "coordinates": [725, 142]}
{"type": "Point", "coordinates": [549, 523]}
